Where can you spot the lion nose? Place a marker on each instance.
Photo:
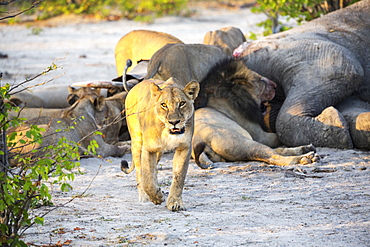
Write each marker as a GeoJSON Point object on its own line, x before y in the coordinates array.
{"type": "Point", "coordinates": [269, 82]}
{"type": "Point", "coordinates": [174, 122]}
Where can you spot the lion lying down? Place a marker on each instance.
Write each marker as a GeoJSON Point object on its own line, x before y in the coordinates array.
{"type": "Point", "coordinates": [218, 138]}
{"type": "Point", "coordinates": [159, 119]}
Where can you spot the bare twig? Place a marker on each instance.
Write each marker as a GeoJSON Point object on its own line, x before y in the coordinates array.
{"type": "Point", "coordinates": [34, 4]}
{"type": "Point", "coordinates": [50, 68]}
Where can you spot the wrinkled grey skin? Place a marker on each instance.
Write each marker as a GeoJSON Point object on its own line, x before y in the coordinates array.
{"type": "Point", "coordinates": [320, 67]}
{"type": "Point", "coordinates": [185, 62]}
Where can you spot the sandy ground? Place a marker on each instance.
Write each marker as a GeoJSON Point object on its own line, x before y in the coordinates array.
{"type": "Point", "coordinates": [252, 203]}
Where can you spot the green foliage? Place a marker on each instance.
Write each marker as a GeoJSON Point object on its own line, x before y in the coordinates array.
{"type": "Point", "coordinates": [24, 178]}
{"type": "Point", "coordinates": [300, 10]}
{"type": "Point", "coordinates": [131, 9]}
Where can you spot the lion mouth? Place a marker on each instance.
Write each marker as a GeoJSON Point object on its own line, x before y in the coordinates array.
{"type": "Point", "coordinates": [177, 131]}
{"type": "Point", "coordinates": [263, 107]}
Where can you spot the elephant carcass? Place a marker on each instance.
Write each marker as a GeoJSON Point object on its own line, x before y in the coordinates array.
{"type": "Point", "coordinates": [185, 62]}
{"type": "Point", "coordinates": [140, 45]}
{"type": "Point", "coordinates": [82, 115]}
{"type": "Point", "coordinates": [228, 38]}
{"type": "Point", "coordinates": [316, 66]}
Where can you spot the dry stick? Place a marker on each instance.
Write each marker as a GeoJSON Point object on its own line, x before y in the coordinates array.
{"type": "Point", "coordinates": [69, 201]}
{"type": "Point", "coordinates": [21, 12]}
{"type": "Point", "coordinates": [33, 78]}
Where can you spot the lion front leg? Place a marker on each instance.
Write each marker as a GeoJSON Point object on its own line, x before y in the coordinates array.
{"type": "Point", "coordinates": [179, 171]}
{"type": "Point", "coordinates": [149, 180]}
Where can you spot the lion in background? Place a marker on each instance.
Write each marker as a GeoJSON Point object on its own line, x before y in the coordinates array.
{"type": "Point", "coordinates": [227, 38]}
{"type": "Point", "coordinates": [140, 45]}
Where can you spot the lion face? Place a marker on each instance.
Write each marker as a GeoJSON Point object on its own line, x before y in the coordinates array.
{"type": "Point", "coordinates": [260, 88]}
{"type": "Point", "coordinates": [174, 106]}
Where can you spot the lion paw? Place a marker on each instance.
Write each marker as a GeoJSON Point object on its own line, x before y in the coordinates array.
{"type": "Point", "coordinates": [308, 148]}
{"type": "Point", "coordinates": [309, 158]}
{"type": "Point", "coordinates": [175, 204]}
{"type": "Point", "coordinates": [158, 198]}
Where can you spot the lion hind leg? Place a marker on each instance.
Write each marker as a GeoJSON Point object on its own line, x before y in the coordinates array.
{"type": "Point", "coordinates": [295, 150]}
{"type": "Point", "coordinates": [304, 159]}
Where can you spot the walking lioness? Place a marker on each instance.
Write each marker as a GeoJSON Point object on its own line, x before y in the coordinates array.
{"type": "Point", "coordinates": [160, 118]}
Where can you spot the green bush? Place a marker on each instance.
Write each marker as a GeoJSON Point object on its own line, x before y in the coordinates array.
{"type": "Point", "coordinates": [130, 9]}
{"type": "Point", "coordinates": [300, 10]}
{"type": "Point", "coordinates": [24, 178]}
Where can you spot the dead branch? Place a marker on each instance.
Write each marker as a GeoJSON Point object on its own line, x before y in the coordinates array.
{"type": "Point", "coordinates": [19, 12]}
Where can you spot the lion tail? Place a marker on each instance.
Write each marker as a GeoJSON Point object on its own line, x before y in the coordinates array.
{"type": "Point", "coordinates": [125, 168]}
{"type": "Point", "coordinates": [198, 150]}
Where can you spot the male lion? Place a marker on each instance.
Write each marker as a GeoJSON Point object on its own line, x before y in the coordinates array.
{"type": "Point", "coordinates": [229, 121]}
{"type": "Point", "coordinates": [160, 118]}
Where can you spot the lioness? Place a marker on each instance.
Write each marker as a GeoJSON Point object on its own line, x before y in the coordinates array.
{"type": "Point", "coordinates": [140, 45]}
{"type": "Point", "coordinates": [228, 38]}
{"type": "Point", "coordinates": [160, 118]}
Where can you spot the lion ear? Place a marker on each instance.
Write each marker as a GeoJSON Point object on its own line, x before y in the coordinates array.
{"type": "Point", "coordinates": [154, 89]}
{"type": "Point", "coordinates": [72, 98]}
{"type": "Point", "coordinates": [99, 103]}
{"type": "Point", "coordinates": [192, 89]}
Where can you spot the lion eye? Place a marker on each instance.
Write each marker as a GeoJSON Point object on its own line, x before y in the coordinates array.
{"type": "Point", "coordinates": [182, 103]}
{"type": "Point", "coordinates": [163, 105]}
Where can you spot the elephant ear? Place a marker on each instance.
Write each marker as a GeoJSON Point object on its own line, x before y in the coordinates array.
{"type": "Point", "coordinates": [192, 90]}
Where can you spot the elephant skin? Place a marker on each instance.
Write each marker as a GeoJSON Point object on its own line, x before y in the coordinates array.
{"type": "Point", "coordinates": [318, 66]}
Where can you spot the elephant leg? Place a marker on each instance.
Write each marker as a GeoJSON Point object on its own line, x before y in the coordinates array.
{"type": "Point", "coordinates": [308, 118]}
{"type": "Point", "coordinates": [329, 129]}
{"type": "Point", "coordinates": [357, 114]}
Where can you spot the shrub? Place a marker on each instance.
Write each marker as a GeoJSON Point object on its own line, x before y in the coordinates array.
{"type": "Point", "coordinates": [24, 177]}
{"type": "Point", "coordinates": [300, 10]}
{"type": "Point", "coordinates": [131, 9]}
